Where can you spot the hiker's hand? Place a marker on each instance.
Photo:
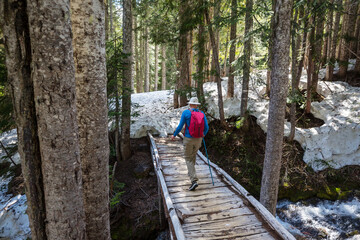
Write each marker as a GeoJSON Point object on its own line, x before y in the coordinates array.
{"type": "Point", "coordinates": [172, 138]}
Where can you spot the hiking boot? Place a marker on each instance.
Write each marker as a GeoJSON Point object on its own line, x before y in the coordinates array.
{"type": "Point", "coordinates": [193, 186]}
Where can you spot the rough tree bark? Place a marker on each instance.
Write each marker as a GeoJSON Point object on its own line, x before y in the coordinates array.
{"type": "Point", "coordinates": [147, 64]}
{"type": "Point", "coordinates": [183, 53]}
{"type": "Point", "coordinates": [270, 50]}
{"type": "Point", "coordinates": [216, 10]}
{"type": "Point", "coordinates": [53, 75]}
{"type": "Point", "coordinates": [156, 68]}
{"type": "Point", "coordinates": [327, 41]}
{"type": "Point", "coordinates": [137, 59]}
{"type": "Point", "coordinates": [14, 22]}
{"type": "Point", "coordinates": [230, 89]}
{"type": "Point", "coordinates": [201, 61]}
{"type": "Point", "coordinates": [126, 81]}
{"type": "Point", "coordinates": [317, 44]}
{"type": "Point", "coordinates": [347, 36]}
{"type": "Point", "coordinates": [91, 102]}
{"type": "Point", "coordinates": [279, 87]}
{"type": "Point", "coordinates": [217, 65]}
{"type": "Point", "coordinates": [247, 57]}
{"type": "Point", "coordinates": [190, 56]}
{"type": "Point", "coordinates": [163, 67]}
{"type": "Point", "coordinates": [332, 46]}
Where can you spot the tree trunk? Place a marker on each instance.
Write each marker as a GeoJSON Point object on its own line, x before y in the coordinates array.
{"type": "Point", "coordinates": [91, 102]}
{"type": "Point", "coordinates": [126, 81]}
{"type": "Point", "coordinates": [183, 54]}
{"type": "Point", "coordinates": [310, 67]}
{"type": "Point", "coordinates": [111, 18]}
{"type": "Point", "coordinates": [279, 84]}
{"type": "Point", "coordinates": [14, 23]}
{"type": "Point", "coordinates": [117, 106]}
{"type": "Point", "coordinates": [329, 25]}
{"type": "Point", "coordinates": [348, 36]}
{"type": "Point", "coordinates": [247, 57]}
{"type": "Point", "coordinates": [106, 20]}
{"type": "Point", "coordinates": [217, 65]}
{"type": "Point", "coordinates": [270, 49]}
{"type": "Point", "coordinates": [354, 43]}
{"type": "Point", "coordinates": [230, 89]}
{"type": "Point", "coordinates": [53, 75]}
{"type": "Point", "coordinates": [147, 64]}
{"type": "Point", "coordinates": [332, 46]}
{"type": "Point", "coordinates": [224, 72]}
{"type": "Point", "coordinates": [201, 62]}
{"type": "Point", "coordinates": [190, 57]}
{"type": "Point", "coordinates": [317, 47]}
{"type": "Point", "coordinates": [141, 61]}
{"type": "Point", "coordinates": [294, 56]}
{"type": "Point", "coordinates": [156, 68]}
{"type": "Point", "coordinates": [137, 58]}
{"type": "Point", "coordinates": [216, 31]}
{"type": "Point", "coordinates": [163, 67]}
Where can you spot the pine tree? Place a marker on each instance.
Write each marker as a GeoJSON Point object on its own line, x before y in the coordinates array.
{"type": "Point", "coordinates": [279, 84]}
{"type": "Point", "coordinates": [126, 81]}
{"type": "Point", "coordinates": [247, 57]}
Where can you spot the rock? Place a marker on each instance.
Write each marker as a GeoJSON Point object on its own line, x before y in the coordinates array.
{"type": "Point", "coordinates": [142, 170]}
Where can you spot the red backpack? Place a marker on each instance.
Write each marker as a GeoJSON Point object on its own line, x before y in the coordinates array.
{"type": "Point", "coordinates": [197, 124]}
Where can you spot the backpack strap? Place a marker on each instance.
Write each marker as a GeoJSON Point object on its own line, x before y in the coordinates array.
{"type": "Point", "coordinates": [186, 126]}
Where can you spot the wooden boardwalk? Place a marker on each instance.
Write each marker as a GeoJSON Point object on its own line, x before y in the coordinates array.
{"type": "Point", "coordinates": [223, 211]}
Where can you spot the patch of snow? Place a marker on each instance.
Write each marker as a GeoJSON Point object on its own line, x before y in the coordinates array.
{"type": "Point", "coordinates": [334, 144]}
{"type": "Point", "coordinates": [14, 222]}
{"type": "Point", "coordinates": [9, 138]}
{"type": "Point", "coordinates": [330, 219]}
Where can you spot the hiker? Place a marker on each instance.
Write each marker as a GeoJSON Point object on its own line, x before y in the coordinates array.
{"type": "Point", "coordinates": [196, 127]}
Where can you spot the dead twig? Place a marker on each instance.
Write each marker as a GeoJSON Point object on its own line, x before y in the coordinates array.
{"type": "Point", "coordinates": [7, 153]}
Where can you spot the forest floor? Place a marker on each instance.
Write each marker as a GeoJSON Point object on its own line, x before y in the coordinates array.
{"type": "Point", "coordinates": [137, 214]}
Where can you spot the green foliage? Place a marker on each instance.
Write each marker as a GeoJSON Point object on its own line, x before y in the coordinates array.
{"type": "Point", "coordinates": [116, 198]}
{"type": "Point", "coordinates": [240, 122]}
{"type": "Point", "coordinates": [116, 187]}
{"type": "Point", "coordinates": [297, 98]}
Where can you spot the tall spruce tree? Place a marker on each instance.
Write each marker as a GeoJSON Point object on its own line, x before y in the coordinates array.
{"type": "Point", "coordinates": [278, 94]}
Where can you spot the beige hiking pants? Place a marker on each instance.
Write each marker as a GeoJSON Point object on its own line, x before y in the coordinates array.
{"type": "Point", "coordinates": [191, 146]}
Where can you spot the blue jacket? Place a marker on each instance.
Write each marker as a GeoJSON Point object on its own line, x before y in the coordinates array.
{"type": "Point", "coordinates": [185, 118]}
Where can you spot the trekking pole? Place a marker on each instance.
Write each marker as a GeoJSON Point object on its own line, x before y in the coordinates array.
{"type": "Point", "coordinates": [207, 156]}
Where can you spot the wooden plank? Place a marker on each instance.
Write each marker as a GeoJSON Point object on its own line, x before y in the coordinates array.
{"type": "Point", "coordinates": [174, 171]}
{"type": "Point", "coordinates": [202, 198]}
{"type": "Point", "coordinates": [245, 221]}
{"type": "Point", "coordinates": [226, 214]}
{"type": "Point", "coordinates": [258, 236]}
{"type": "Point", "coordinates": [229, 231]}
{"type": "Point", "coordinates": [199, 192]}
{"type": "Point", "coordinates": [184, 188]}
{"type": "Point", "coordinates": [189, 210]}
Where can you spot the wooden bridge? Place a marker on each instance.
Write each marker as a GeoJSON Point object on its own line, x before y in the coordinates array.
{"type": "Point", "coordinates": [223, 211]}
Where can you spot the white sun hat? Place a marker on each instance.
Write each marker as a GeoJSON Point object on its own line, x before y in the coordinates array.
{"type": "Point", "coordinates": [194, 101]}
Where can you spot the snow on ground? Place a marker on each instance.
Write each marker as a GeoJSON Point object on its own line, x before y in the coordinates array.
{"type": "Point", "coordinates": [328, 219]}
{"type": "Point", "coordinates": [336, 143]}
{"type": "Point", "coordinates": [8, 139]}
{"type": "Point", "coordinates": [14, 222]}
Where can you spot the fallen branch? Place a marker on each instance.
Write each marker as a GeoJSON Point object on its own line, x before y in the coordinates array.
{"type": "Point", "coordinates": [7, 153]}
